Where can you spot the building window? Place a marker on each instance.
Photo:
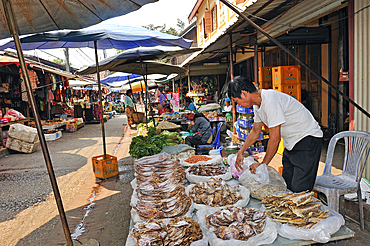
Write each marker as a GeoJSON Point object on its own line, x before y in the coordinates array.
{"type": "Point", "coordinates": [214, 18]}
{"type": "Point", "coordinates": [205, 29]}
{"type": "Point", "coordinates": [201, 30]}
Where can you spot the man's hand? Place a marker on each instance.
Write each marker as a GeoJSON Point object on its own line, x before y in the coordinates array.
{"type": "Point", "coordinates": [239, 161]}
{"type": "Point", "coordinates": [253, 167]}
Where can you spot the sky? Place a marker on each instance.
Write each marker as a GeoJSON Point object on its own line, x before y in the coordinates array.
{"type": "Point", "coordinates": [158, 13]}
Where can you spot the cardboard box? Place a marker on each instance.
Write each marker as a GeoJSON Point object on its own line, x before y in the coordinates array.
{"type": "Point", "coordinates": [24, 133]}
{"type": "Point", "coordinates": [21, 146]}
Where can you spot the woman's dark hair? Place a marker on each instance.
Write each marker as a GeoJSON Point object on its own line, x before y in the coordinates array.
{"type": "Point", "coordinates": [188, 99]}
{"type": "Point", "coordinates": [238, 84]}
{"type": "Point", "coordinates": [197, 115]}
{"type": "Point", "coordinates": [167, 106]}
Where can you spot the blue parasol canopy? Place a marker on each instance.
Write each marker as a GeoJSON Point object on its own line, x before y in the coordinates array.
{"type": "Point", "coordinates": [120, 78]}
{"type": "Point", "coordinates": [108, 36]}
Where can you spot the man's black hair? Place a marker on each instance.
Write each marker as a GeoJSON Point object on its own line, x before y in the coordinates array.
{"type": "Point", "coordinates": [128, 91]}
{"type": "Point", "coordinates": [238, 84]}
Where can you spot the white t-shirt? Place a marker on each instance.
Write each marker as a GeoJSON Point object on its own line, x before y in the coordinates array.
{"type": "Point", "coordinates": [228, 108]}
{"type": "Point", "coordinates": [295, 121]}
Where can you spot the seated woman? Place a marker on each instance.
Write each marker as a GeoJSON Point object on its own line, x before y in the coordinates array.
{"type": "Point", "coordinates": [202, 131]}
{"type": "Point", "coordinates": [167, 108]}
{"type": "Point", "coordinates": [189, 105]}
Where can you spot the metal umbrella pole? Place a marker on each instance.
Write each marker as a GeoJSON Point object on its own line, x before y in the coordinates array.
{"type": "Point", "coordinates": [231, 6]}
{"type": "Point", "coordinates": [146, 89]}
{"type": "Point", "coordinates": [14, 30]}
{"type": "Point", "coordinates": [100, 101]}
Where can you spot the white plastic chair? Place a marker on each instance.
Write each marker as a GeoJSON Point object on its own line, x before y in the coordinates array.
{"type": "Point", "coordinates": [357, 146]}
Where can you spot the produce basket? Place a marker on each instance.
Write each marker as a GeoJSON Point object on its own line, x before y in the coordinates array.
{"type": "Point", "coordinates": [137, 117]}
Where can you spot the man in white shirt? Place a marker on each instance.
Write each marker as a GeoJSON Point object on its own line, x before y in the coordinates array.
{"type": "Point", "coordinates": [286, 118]}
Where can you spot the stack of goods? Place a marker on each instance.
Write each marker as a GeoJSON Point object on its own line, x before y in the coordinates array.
{"type": "Point", "coordinates": [179, 231]}
{"type": "Point", "coordinates": [22, 138]}
{"type": "Point", "coordinates": [215, 193]}
{"type": "Point", "coordinates": [172, 138]}
{"type": "Point", "coordinates": [297, 209]}
{"type": "Point", "coordinates": [237, 223]}
{"type": "Point", "coordinates": [165, 125]}
{"type": "Point", "coordinates": [212, 114]}
{"type": "Point", "coordinates": [160, 189]}
{"type": "Point", "coordinates": [152, 143]}
{"type": "Point", "coordinates": [181, 151]}
{"type": "Point", "coordinates": [11, 115]}
{"type": "Point", "coordinates": [207, 170]}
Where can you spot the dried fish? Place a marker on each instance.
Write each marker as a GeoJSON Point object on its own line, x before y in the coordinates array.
{"type": "Point", "coordinates": [182, 231]}
{"type": "Point", "coordinates": [297, 209]}
{"type": "Point", "coordinates": [236, 223]}
{"type": "Point", "coordinates": [214, 192]}
{"type": "Point", "coordinates": [207, 170]}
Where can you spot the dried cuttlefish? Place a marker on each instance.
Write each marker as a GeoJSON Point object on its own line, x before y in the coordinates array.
{"type": "Point", "coordinates": [215, 192]}
{"type": "Point", "coordinates": [238, 223]}
{"type": "Point", "coordinates": [297, 209]}
{"type": "Point", "coordinates": [182, 231]}
{"type": "Point", "coordinates": [160, 188]}
{"type": "Point", "coordinates": [150, 232]}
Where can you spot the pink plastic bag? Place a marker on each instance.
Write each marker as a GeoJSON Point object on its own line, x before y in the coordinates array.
{"type": "Point", "coordinates": [231, 159]}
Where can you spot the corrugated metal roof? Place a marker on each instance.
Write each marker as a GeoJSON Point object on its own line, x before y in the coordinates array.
{"type": "Point", "coordinates": [301, 11]}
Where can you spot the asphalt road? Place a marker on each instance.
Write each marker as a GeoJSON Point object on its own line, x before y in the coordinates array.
{"type": "Point", "coordinates": [28, 213]}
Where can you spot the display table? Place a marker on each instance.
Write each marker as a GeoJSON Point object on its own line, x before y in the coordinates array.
{"type": "Point", "coordinates": [26, 120]}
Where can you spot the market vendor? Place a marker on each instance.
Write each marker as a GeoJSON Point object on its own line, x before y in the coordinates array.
{"type": "Point", "coordinates": [129, 104]}
{"type": "Point", "coordinates": [189, 105]}
{"type": "Point", "coordinates": [202, 131]}
{"type": "Point", "coordinates": [286, 118]}
{"type": "Point", "coordinates": [167, 108]}
{"type": "Point", "coordinates": [228, 109]}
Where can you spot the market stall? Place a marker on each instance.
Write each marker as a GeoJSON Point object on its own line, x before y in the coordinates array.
{"type": "Point", "coordinates": [207, 197]}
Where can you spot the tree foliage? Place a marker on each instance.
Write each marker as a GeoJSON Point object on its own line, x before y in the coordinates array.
{"type": "Point", "coordinates": [58, 60]}
{"type": "Point", "coordinates": [171, 30]}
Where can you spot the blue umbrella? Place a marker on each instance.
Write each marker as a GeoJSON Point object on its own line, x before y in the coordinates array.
{"type": "Point", "coordinates": [120, 78]}
{"type": "Point", "coordinates": [102, 36]}
{"type": "Point", "coordinates": [108, 36]}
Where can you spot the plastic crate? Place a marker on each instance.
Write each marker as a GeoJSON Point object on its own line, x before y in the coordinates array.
{"type": "Point", "coordinates": [245, 123]}
{"type": "Point", "coordinates": [105, 168]}
{"type": "Point", "coordinates": [286, 75]}
{"type": "Point", "coordinates": [255, 150]}
{"type": "Point", "coordinates": [243, 110]}
{"type": "Point", "coordinates": [242, 135]}
{"type": "Point", "coordinates": [264, 74]}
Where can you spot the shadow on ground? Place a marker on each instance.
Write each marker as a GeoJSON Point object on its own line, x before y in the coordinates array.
{"type": "Point", "coordinates": [106, 220]}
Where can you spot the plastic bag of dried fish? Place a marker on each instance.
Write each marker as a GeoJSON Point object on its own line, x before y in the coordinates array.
{"type": "Point", "coordinates": [264, 182]}
{"type": "Point", "coordinates": [302, 216]}
{"type": "Point", "coordinates": [249, 234]}
{"type": "Point", "coordinates": [178, 231]}
{"type": "Point", "coordinates": [216, 193]}
{"type": "Point", "coordinates": [320, 232]}
{"type": "Point", "coordinates": [215, 159]}
{"type": "Point", "coordinates": [201, 173]}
